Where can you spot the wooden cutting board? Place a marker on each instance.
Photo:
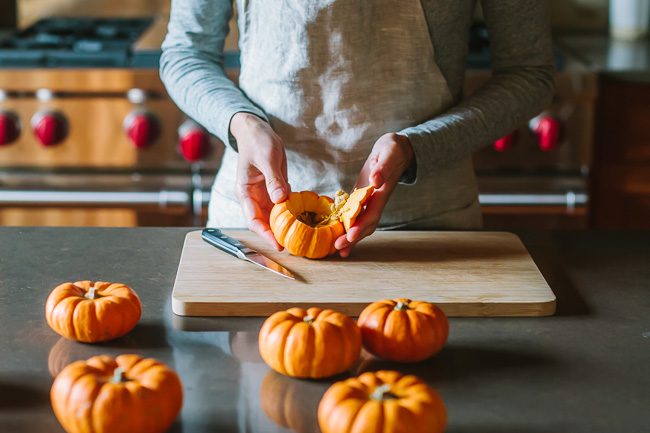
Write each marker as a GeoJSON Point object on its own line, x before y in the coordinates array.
{"type": "Point", "coordinates": [465, 273]}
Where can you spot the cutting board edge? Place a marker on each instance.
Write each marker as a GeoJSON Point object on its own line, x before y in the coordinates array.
{"type": "Point", "coordinates": [264, 309]}
{"type": "Point", "coordinates": [535, 308]}
{"type": "Point", "coordinates": [178, 307]}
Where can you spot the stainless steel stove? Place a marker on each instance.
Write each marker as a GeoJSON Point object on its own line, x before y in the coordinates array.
{"type": "Point", "coordinates": [537, 176]}
{"type": "Point", "coordinates": [85, 123]}
{"type": "Point", "coordinates": [87, 129]}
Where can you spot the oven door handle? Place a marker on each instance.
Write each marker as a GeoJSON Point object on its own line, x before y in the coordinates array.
{"type": "Point", "coordinates": [169, 199]}
{"type": "Point", "coordinates": [163, 198]}
{"type": "Point", "coordinates": [569, 199]}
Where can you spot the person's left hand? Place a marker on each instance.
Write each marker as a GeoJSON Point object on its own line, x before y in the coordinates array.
{"type": "Point", "coordinates": [391, 155]}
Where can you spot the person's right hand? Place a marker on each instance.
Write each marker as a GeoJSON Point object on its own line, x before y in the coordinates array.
{"type": "Point", "coordinates": [261, 172]}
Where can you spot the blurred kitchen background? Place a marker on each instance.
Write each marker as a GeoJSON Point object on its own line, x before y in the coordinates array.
{"type": "Point", "coordinates": [89, 137]}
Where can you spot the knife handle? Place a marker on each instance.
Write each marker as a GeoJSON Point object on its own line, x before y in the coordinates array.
{"type": "Point", "coordinates": [215, 237]}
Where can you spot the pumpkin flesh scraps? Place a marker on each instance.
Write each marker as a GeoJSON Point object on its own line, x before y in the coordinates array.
{"type": "Point", "coordinates": [354, 205]}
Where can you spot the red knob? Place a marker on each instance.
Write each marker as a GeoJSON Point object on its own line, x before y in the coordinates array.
{"type": "Point", "coordinates": [194, 144]}
{"type": "Point", "coordinates": [9, 127]}
{"type": "Point", "coordinates": [505, 143]}
{"type": "Point", "coordinates": [547, 130]}
{"type": "Point", "coordinates": [50, 127]}
{"type": "Point", "coordinates": [143, 128]}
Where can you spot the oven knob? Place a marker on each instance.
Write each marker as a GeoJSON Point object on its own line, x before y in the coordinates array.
{"type": "Point", "coordinates": [143, 128]}
{"type": "Point", "coordinates": [547, 130]}
{"type": "Point", "coordinates": [9, 127]}
{"type": "Point", "coordinates": [505, 143]}
{"type": "Point", "coordinates": [193, 143]}
{"type": "Point", "coordinates": [50, 127]}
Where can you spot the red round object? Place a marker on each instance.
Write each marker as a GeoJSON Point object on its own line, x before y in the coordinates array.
{"type": "Point", "coordinates": [548, 133]}
{"type": "Point", "coordinates": [505, 143]}
{"type": "Point", "coordinates": [9, 127]}
{"type": "Point", "coordinates": [142, 128]}
{"type": "Point", "coordinates": [194, 144]}
{"type": "Point", "coordinates": [50, 127]}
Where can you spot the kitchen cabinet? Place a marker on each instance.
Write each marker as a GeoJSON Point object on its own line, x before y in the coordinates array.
{"type": "Point", "coordinates": [620, 178]}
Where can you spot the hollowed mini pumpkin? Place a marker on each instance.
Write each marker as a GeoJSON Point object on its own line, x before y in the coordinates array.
{"type": "Point", "coordinates": [307, 224]}
{"type": "Point", "coordinates": [311, 343]}
{"type": "Point", "coordinates": [127, 394]}
{"type": "Point", "coordinates": [91, 312]}
{"type": "Point", "coordinates": [385, 401]}
{"type": "Point", "coordinates": [403, 330]}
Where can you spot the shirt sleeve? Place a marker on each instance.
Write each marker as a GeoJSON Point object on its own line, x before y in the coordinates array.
{"type": "Point", "coordinates": [522, 82]}
{"type": "Point", "coordinates": [192, 66]}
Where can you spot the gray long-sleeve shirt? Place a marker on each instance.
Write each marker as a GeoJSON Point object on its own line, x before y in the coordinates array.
{"type": "Point", "coordinates": [192, 69]}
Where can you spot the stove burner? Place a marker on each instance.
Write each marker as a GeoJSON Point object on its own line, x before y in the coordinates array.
{"type": "Point", "coordinates": [74, 42]}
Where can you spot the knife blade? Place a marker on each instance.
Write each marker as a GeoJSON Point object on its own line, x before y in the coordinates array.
{"type": "Point", "coordinates": [217, 238]}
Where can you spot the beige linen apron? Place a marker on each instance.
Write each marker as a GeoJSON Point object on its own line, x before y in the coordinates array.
{"type": "Point", "coordinates": [333, 76]}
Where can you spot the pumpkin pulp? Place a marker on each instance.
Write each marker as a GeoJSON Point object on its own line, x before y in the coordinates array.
{"type": "Point", "coordinates": [324, 213]}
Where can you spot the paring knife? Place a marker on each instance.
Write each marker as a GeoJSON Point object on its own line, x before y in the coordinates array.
{"type": "Point", "coordinates": [235, 248]}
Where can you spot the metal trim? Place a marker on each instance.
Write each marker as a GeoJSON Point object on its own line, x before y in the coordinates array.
{"type": "Point", "coordinates": [569, 199]}
{"type": "Point", "coordinates": [162, 199]}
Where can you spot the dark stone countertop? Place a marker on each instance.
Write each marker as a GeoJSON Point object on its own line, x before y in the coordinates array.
{"type": "Point", "coordinates": [586, 369]}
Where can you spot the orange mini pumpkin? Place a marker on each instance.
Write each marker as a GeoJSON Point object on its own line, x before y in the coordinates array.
{"type": "Point", "coordinates": [91, 312]}
{"type": "Point", "coordinates": [403, 330]}
{"type": "Point", "coordinates": [311, 343]}
{"type": "Point", "coordinates": [385, 401]}
{"type": "Point", "coordinates": [121, 395]}
{"type": "Point", "coordinates": [307, 224]}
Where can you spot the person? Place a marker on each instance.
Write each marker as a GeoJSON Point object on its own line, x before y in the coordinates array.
{"type": "Point", "coordinates": [336, 94]}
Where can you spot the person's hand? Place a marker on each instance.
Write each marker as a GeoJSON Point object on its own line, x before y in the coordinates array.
{"type": "Point", "coordinates": [261, 172]}
{"type": "Point", "coordinates": [391, 155]}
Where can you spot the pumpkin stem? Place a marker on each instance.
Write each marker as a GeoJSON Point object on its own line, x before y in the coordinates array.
{"type": "Point", "coordinates": [309, 319]}
{"type": "Point", "coordinates": [118, 376]}
{"type": "Point", "coordinates": [92, 293]}
{"type": "Point", "coordinates": [382, 393]}
{"type": "Point", "coordinates": [402, 306]}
